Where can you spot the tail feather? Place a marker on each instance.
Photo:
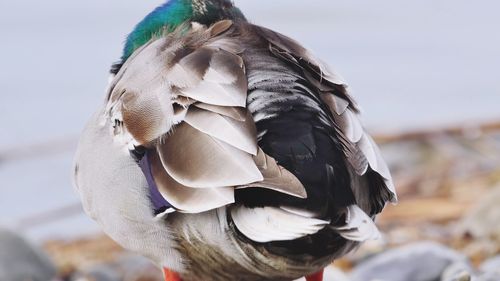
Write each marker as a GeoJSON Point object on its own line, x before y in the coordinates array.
{"type": "Point", "coordinates": [274, 224]}
{"type": "Point", "coordinates": [358, 226]}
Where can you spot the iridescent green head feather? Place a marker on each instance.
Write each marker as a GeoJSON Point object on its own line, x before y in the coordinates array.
{"type": "Point", "coordinates": [173, 13]}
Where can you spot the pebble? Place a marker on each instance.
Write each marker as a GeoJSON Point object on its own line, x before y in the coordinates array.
{"type": "Point", "coordinates": [125, 268]}
{"type": "Point", "coordinates": [424, 261]}
{"type": "Point", "coordinates": [482, 220]}
{"type": "Point", "coordinates": [21, 261]}
{"type": "Point", "coordinates": [98, 273]}
{"type": "Point", "coordinates": [490, 270]}
{"type": "Point", "coordinates": [459, 271]}
{"type": "Point", "coordinates": [491, 265]}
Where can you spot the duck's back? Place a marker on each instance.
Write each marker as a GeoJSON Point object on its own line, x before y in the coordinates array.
{"type": "Point", "coordinates": [262, 158]}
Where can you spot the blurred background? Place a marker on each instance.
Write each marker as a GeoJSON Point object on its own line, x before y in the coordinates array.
{"type": "Point", "coordinates": [426, 74]}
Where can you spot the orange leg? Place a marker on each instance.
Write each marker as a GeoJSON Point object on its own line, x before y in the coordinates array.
{"type": "Point", "coordinates": [170, 275]}
{"type": "Point", "coordinates": [318, 276]}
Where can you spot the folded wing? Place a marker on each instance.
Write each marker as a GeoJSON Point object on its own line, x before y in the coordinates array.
{"type": "Point", "coordinates": [183, 97]}
{"type": "Point", "coordinates": [371, 180]}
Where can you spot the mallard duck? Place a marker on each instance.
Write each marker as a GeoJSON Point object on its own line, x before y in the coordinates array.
{"type": "Point", "coordinates": [227, 151]}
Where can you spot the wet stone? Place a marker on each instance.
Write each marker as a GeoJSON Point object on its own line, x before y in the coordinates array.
{"type": "Point", "coordinates": [482, 220]}
{"type": "Point", "coordinates": [20, 261]}
{"type": "Point", "coordinates": [425, 261]}
{"type": "Point", "coordinates": [459, 271]}
{"type": "Point", "coordinates": [125, 268]}
{"type": "Point", "coordinates": [98, 273]}
{"type": "Point", "coordinates": [490, 270]}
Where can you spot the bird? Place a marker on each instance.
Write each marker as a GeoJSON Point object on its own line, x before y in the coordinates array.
{"type": "Point", "coordinates": [227, 151]}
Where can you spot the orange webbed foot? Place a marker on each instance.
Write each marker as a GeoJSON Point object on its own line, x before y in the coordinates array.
{"type": "Point", "coordinates": [318, 276]}
{"type": "Point", "coordinates": [170, 275]}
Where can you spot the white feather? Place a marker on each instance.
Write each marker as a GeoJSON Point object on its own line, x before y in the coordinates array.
{"type": "Point", "coordinates": [274, 224]}
{"type": "Point", "coordinates": [359, 226]}
{"type": "Point", "coordinates": [300, 212]}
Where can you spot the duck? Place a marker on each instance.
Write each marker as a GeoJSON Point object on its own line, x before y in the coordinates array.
{"type": "Point", "coordinates": [224, 150]}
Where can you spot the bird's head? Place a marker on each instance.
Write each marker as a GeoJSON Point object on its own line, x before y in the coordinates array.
{"type": "Point", "coordinates": [174, 13]}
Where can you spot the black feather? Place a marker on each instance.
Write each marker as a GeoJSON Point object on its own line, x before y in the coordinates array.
{"type": "Point", "coordinates": [299, 135]}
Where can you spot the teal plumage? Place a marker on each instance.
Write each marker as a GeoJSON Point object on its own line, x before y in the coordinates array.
{"type": "Point", "coordinates": [167, 17]}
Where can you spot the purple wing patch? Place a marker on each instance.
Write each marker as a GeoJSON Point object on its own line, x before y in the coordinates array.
{"type": "Point", "coordinates": [160, 204]}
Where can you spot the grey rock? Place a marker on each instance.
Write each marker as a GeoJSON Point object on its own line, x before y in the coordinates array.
{"type": "Point", "coordinates": [459, 271]}
{"type": "Point", "coordinates": [423, 261]}
{"type": "Point", "coordinates": [488, 276]}
{"type": "Point", "coordinates": [125, 268]}
{"type": "Point", "coordinates": [491, 265]}
{"type": "Point", "coordinates": [20, 261]}
{"type": "Point", "coordinates": [461, 276]}
{"type": "Point", "coordinates": [490, 270]}
{"type": "Point", "coordinates": [482, 220]}
{"type": "Point", "coordinates": [98, 273]}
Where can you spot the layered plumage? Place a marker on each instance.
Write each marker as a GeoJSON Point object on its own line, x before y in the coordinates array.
{"type": "Point", "coordinates": [226, 151]}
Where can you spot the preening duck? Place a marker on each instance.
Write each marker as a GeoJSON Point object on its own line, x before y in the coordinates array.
{"type": "Point", "coordinates": [227, 151]}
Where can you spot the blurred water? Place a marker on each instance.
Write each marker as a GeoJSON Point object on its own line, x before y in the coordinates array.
{"type": "Point", "coordinates": [410, 64]}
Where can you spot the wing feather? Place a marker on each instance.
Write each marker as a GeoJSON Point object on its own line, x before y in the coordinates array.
{"type": "Point", "coordinates": [198, 160]}
{"type": "Point", "coordinates": [241, 135]}
{"type": "Point", "coordinates": [274, 224]}
{"type": "Point", "coordinates": [360, 150]}
{"type": "Point", "coordinates": [358, 226]}
{"type": "Point", "coordinates": [237, 113]}
{"type": "Point", "coordinates": [276, 177]}
{"type": "Point", "coordinates": [187, 199]}
{"type": "Point", "coordinates": [224, 82]}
